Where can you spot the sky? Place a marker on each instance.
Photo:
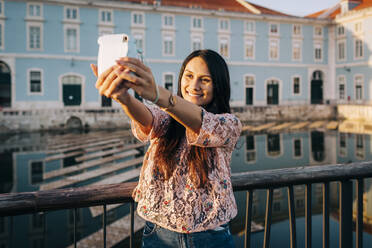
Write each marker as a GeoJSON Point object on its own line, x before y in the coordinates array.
{"type": "Point", "coordinates": [296, 7]}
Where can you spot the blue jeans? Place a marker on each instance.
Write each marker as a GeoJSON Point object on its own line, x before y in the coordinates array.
{"type": "Point", "coordinates": [155, 236]}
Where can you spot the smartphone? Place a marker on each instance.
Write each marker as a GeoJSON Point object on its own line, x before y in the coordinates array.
{"type": "Point", "coordinates": [113, 47]}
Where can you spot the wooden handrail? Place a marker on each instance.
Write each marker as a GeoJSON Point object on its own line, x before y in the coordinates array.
{"type": "Point", "coordinates": [30, 202]}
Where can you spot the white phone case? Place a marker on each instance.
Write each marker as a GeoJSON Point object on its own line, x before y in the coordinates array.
{"type": "Point", "coordinates": [113, 47]}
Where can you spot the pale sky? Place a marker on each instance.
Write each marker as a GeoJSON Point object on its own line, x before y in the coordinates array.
{"type": "Point", "coordinates": [296, 7]}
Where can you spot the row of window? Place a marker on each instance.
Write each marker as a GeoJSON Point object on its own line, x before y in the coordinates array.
{"type": "Point", "coordinates": [358, 87]}
{"type": "Point", "coordinates": [358, 49]}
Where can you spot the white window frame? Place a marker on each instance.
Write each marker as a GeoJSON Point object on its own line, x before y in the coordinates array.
{"type": "Point", "coordinates": [29, 4]}
{"type": "Point", "coordinates": [338, 28]}
{"type": "Point", "coordinates": [249, 86]}
{"type": "Point", "coordinates": [358, 83]}
{"type": "Point", "coordinates": [277, 28]}
{"type": "Point", "coordinates": [341, 79]}
{"type": "Point", "coordinates": [137, 33]}
{"type": "Point", "coordinates": [133, 24]}
{"type": "Point", "coordinates": [360, 153]}
{"type": "Point", "coordinates": [221, 40]}
{"type": "Point", "coordinates": [29, 70]}
{"type": "Point", "coordinates": [71, 26]}
{"type": "Point", "coordinates": [2, 38]}
{"type": "Point", "coordinates": [294, 148]}
{"type": "Point", "coordinates": [280, 85]}
{"type": "Point", "coordinates": [321, 31]}
{"type": "Point", "coordinates": [82, 84]}
{"type": "Point", "coordinates": [77, 19]}
{"type": "Point", "coordinates": [294, 29]}
{"type": "Point", "coordinates": [30, 174]}
{"type": "Point", "coordinates": [246, 41]}
{"type": "Point", "coordinates": [102, 30]}
{"type": "Point", "coordinates": [2, 12]}
{"type": "Point", "coordinates": [278, 49]}
{"type": "Point", "coordinates": [246, 31]}
{"type": "Point", "coordinates": [356, 39]}
{"type": "Point", "coordinates": [338, 50]}
{"type": "Point", "coordinates": [166, 37]}
{"type": "Point", "coordinates": [267, 146]}
{"type": "Point", "coordinates": [195, 37]}
{"type": "Point", "coordinates": [220, 21]}
{"type": "Point", "coordinates": [173, 81]}
{"type": "Point", "coordinates": [358, 27]}
{"type": "Point", "coordinates": [164, 17]}
{"type": "Point", "coordinates": [100, 21]}
{"type": "Point", "coordinates": [299, 43]}
{"type": "Point", "coordinates": [318, 45]}
{"type": "Point", "coordinates": [300, 85]}
{"type": "Point", "coordinates": [201, 23]}
{"type": "Point", "coordinates": [40, 25]}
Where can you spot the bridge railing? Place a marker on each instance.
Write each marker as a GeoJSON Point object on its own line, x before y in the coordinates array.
{"type": "Point", "coordinates": [74, 198]}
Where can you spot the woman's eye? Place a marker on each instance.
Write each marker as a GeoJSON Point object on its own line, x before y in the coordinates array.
{"type": "Point", "coordinates": [206, 80]}
{"type": "Point", "coordinates": [189, 75]}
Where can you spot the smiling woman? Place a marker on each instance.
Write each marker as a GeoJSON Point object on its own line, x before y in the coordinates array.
{"type": "Point", "coordinates": [184, 191]}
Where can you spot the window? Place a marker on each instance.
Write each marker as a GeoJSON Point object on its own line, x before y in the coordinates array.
{"type": "Point", "coordinates": [250, 27]}
{"type": "Point", "coordinates": [168, 20]}
{"type": "Point", "coordinates": [249, 49]}
{"type": "Point", "coordinates": [318, 52]}
{"type": "Point", "coordinates": [34, 10]}
{"type": "Point", "coordinates": [274, 49]}
{"type": "Point", "coordinates": [168, 45]}
{"type": "Point", "coordinates": [168, 82]}
{"type": "Point", "coordinates": [358, 28]}
{"type": "Point", "coordinates": [249, 89]}
{"type": "Point", "coordinates": [342, 144]}
{"type": "Point", "coordinates": [297, 148]}
{"type": "Point", "coordinates": [250, 155]}
{"type": "Point", "coordinates": [358, 87]}
{"type": "Point", "coordinates": [34, 36]}
{"type": "Point", "coordinates": [197, 22]}
{"type": "Point", "coordinates": [71, 39]}
{"type": "Point", "coordinates": [296, 85]}
{"type": "Point", "coordinates": [318, 31]}
{"type": "Point", "coordinates": [139, 40]}
{"type": "Point", "coordinates": [105, 16]}
{"type": "Point", "coordinates": [1, 8]}
{"type": "Point", "coordinates": [35, 81]}
{"type": "Point", "coordinates": [196, 43]}
{"type": "Point", "coordinates": [36, 172]}
{"type": "Point", "coordinates": [341, 87]}
{"type": "Point", "coordinates": [1, 35]}
{"type": "Point", "coordinates": [138, 19]}
{"type": "Point", "coordinates": [359, 141]}
{"type": "Point", "coordinates": [71, 13]}
{"type": "Point", "coordinates": [341, 47]}
{"type": "Point", "coordinates": [273, 144]}
{"type": "Point", "coordinates": [358, 48]}
{"type": "Point", "coordinates": [296, 29]}
{"type": "Point", "coordinates": [296, 50]}
{"type": "Point", "coordinates": [340, 30]}
{"type": "Point", "coordinates": [105, 30]}
{"type": "Point", "coordinates": [274, 28]}
{"type": "Point", "coordinates": [224, 47]}
{"type": "Point", "coordinates": [224, 24]}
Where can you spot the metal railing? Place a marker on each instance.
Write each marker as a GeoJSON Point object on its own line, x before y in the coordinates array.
{"type": "Point", "coordinates": [74, 198]}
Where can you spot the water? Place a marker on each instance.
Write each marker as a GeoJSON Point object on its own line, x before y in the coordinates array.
{"type": "Point", "coordinates": [22, 161]}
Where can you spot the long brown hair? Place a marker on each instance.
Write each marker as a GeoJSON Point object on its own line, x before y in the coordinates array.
{"type": "Point", "coordinates": [200, 159]}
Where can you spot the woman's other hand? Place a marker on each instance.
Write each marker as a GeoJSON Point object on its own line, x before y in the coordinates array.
{"type": "Point", "coordinates": [110, 85]}
{"type": "Point", "coordinates": [142, 80]}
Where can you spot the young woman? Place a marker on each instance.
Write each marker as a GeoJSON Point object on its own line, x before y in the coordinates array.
{"type": "Point", "coordinates": [184, 191]}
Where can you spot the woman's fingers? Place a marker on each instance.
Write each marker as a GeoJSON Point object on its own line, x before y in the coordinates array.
{"type": "Point", "coordinates": [135, 62]}
{"type": "Point", "coordinates": [134, 68]}
{"type": "Point", "coordinates": [94, 69]}
{"type": "Point", "coordinates": [113, 87]}
{"type": "Point", "coordinates": [106, 84]}
{"type": "Point", "coordinates": [102, 77]}
{"type": "Point", "coordinates": [127, 75]}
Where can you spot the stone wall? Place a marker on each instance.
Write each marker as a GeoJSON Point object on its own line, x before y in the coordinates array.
{"type": "Point", "coordinates": [286, 113]}
{"type": "Point", "coordinates": [355, 112]}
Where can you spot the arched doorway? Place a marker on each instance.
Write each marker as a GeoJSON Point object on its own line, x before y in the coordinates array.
{"type": "Point", "coordinates": [5, 86]}
{"type": "Point", "coordinates": [272, 92]}
{"type": "Point", "coordinates": [317, 88]}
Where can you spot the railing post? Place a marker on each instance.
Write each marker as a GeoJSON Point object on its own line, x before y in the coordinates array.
{"type": "Point", "coordinates": [269, 206]}
{"type": "Point", "coordinates": [346, 208]}
{"type": "Point", "coordinates": [359, 219]}
{"type": "Point", "coordinates": [104, 225]}
{"type": "Point", "coordinates": [292, 217]}
{"type": "Point", "coordinates": [131, 242]}
{"type": "Point", "coordinates": [326, 215]}
{"type": "Point", "coordinates": [248, 219]}
{"type": "Point", "coordinates": [75, 237]}
{"type": "Point", "coordinates": [308, 221]}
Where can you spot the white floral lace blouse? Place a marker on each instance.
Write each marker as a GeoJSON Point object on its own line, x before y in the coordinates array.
{"type": "Point", "coordinates": [175, 204]}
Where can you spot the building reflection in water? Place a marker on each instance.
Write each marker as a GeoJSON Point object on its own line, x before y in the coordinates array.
{"type": "Point", "coordinates": [22, 160]}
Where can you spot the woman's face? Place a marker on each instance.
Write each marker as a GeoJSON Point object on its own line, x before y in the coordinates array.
{"type": "Point", "coordinates": [196, 82]}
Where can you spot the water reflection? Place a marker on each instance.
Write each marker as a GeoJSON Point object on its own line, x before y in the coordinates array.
{"type": "Point", "coordinates": [23, 166]}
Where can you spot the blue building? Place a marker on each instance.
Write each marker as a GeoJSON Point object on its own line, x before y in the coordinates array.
{"type": "Point", "coordinates": [274, 59]}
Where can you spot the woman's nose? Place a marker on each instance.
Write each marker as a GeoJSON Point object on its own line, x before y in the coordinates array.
{"type": "Point", "coordinates": [195, 83]}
